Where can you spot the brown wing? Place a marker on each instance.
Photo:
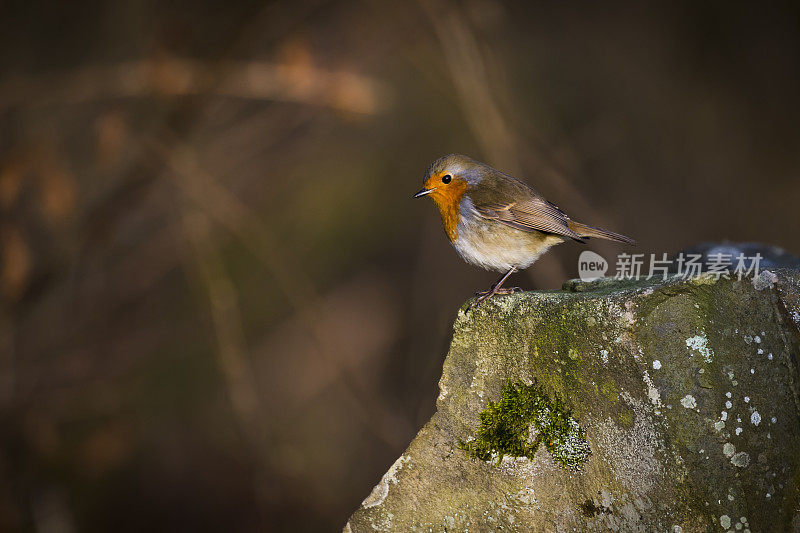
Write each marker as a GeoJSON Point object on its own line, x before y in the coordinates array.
{"type": "Point", "coordinates": [512, 202]}
{"type": "Point", "coordinates": [533, 214]}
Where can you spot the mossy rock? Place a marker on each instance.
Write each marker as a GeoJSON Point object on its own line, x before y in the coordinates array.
{"type": "Point", "coordinates": [661, 406]}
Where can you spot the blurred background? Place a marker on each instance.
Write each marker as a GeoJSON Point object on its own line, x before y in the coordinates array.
{"type": "Point", "coordinates": [221, 310]}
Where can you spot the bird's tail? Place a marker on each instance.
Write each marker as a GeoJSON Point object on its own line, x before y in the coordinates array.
{"type": "Point", "coordinates": [590, 231]}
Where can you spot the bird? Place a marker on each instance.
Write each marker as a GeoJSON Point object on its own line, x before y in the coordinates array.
{"type": "Point", "coordinates": [498, 222]}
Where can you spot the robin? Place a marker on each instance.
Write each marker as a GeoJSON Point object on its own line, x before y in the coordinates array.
{"type": "Point", "coordinates": [497, 222]}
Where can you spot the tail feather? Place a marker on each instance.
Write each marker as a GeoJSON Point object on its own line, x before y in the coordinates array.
{"type": "Point", "coordinates": [590, 231]}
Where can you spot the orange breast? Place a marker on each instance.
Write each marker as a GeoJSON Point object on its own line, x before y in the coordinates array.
{"type": "Point", "coordinates": [447, 199]}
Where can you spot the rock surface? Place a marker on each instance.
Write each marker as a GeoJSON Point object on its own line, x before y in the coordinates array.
{"type": "Point", "coordinates": [686, 392]}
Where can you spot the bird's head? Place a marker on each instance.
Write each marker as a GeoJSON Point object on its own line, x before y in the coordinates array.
{"type": "Point", "coordinates": [449, 177]}
{"type": "Point", "coordinates": [446, 181]}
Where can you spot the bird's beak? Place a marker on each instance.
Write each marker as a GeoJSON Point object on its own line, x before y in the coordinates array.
{"type": "Point", "coordinates": [423, 192]}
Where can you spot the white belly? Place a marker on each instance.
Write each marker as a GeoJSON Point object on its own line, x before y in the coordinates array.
{"type": "Point", "coordinates": [495, 246]}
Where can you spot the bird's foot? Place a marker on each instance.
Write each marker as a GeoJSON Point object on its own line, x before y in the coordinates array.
{"type": "Point", "coordinates": [508, 290]}
{"type": "Point", "coordinates": [482, 296]}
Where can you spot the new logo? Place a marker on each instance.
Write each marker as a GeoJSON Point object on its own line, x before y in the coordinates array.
{"type": "Point", "coordinates": [591, 266]}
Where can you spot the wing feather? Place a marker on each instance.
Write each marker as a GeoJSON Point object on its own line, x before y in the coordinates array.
{"type": "Point", "coordinates": [533, 214]}
{"type": "Point", "coordinates": [512, 202]}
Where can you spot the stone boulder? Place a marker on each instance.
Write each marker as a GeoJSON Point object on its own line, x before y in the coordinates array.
{"type": "Point", "coordinates": [611, 405]}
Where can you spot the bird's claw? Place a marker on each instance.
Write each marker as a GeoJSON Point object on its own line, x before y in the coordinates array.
{"type": "Point", "coordinates": [508, 290]}
{"type": "Point", "coordinates": [482, 296]}
{"type": "Point", "coordinates": [502, 290]}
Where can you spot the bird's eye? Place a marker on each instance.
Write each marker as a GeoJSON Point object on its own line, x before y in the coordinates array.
{"type": "Point", "coordinates": [446, 178]}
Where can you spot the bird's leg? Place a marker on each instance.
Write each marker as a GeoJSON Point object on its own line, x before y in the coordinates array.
{"type": "Point", "coordinates": [496, 288]}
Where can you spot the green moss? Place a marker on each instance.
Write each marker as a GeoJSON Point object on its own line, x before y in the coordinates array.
{"type": "Point", "coordinates": [520, 421]}
{"type": "Point", "coordinates": [625, 419]}
{"type": "Point", "coordinates": [610, 391]}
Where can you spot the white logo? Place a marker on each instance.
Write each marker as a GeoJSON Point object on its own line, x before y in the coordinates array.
{"type": "Point", "coordinates": [591, 266]}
